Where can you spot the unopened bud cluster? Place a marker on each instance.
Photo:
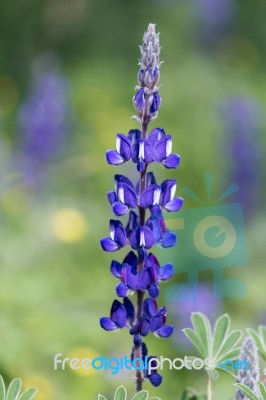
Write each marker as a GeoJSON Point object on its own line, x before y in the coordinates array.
{"type": "Point", "coordinates": [248, 377]}
{"type": "Point", "coordinates": [147, 99]}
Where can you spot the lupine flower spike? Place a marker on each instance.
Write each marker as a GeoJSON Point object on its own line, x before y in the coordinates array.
{"type": "Point", "coordinates": [248, 376]}
{"type": "Point", "coordinates": [140, 272]}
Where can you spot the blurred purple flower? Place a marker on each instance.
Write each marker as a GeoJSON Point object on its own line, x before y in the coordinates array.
{"type": "Point", "coordinates": [44, 120]}
{"type": "Point", "coordinates": [182, 300]}
{"type": "Point", "coordinates": [214, 16]}
{"type": "Point", "coordinates": [242, 148]}
{"type": "Point", "coordinates": [44, 117]}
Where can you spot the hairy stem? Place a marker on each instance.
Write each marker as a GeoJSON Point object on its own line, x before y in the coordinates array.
{"type": "Point", "coordinates": [140, 294]}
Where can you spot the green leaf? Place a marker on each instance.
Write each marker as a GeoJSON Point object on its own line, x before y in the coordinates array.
{"type": "Point", "coordinates": [221, 331]}
{"type": "Point", "coordinates": [262, 332]}
{"type": "Point", "coordinates": [228, 345]}
{"type": "Point", "coordinates": [232, 355]}
{"type": "Point", "coordinates": [2, 388]}
{"type": "Point", "coordinates": [154, 398]}
{"type": "Point", "coordinates": [203, 330]}
{"type": "Point", "coordinates": [259, 339]}
{"type": "Point", "coordinates": [255, 335]}
{"type": "Point", "coordinates": [14, 389]}
{"type": "Point", "coordinates": [192, 336]}
{"type": "Point", "coordinates": [262, 390]}
{"type": "Point", "coordinates": [143, 395]}
{"type": "Point", "coordinates": [246, 390]}
{"type": "Point", "coordinates": [121, 393]}
{"type": "Point", "coordinates": [219, 347]}
{"type": "Point", "coordinates": [29, 394]}
{"type": "Point", "coordinates": [101, 397]}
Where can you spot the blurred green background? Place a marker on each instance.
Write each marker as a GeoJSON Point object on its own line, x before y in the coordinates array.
{"type": "Point", "coordinates": [67, 76]}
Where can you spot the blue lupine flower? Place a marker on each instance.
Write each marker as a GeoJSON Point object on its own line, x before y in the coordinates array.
{"type": "Point", "coordinates": [132, 223]}
{"type": "Point", "coordinates": [161, 233]}
{"type": "Point", "coordinates": [157, 147]}
{"type": "Point", "coordinates": [150, 196]}
{"type": "Point", "coordinates": [122, 153]}
{"type": "Point", "coordinates": [156, 272]}
{"type": "Point", "coordinates": [157, 318]}
{"type": "Point", "coordinates": [141, 154]}
{"type": "Point", "coordinates": [120, 314]}
{"type": "Point", "coordinates": [117, 238]}
{"type": "Point", "coordinates": [140, 273]}
{"type": "Point", "coordinates": [118, 317]}
{"type": "Point", "coordinates": [147, 279]}
{"type": "Point", "coordinates": [154, 378]}
{"type": "Point", "coordinates": [162, 148]}
{"type": "Point", "coordinates": [142, 236]}
{"type": "Point", "coordinates": [124, 197]}
{"type": "Point", "coordinates": [152, 320]}
{"type": "Point", "coordinates": [168, 200]}
{"type": "Point", "coordinates": [153, 105]}
{"type": "Point", "coordinates": [140, 329]}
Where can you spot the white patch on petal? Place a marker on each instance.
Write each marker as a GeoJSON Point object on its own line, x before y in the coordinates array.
{"type": "Point", "coordinates": [118, 144]}
{"type": "Point", "coordinates": [142, 238]}
{"type": "Point", "coordinates": [121, 194]}
{"type": "Point", "coordinates": [173, 190]}
{"type": "Point", "coordinates": [156, 196]}
{"type": "Point", "coordinates": [112, 232]}
{"type": "Point", "coordinates": [168, 147]}
{"type": "Point", "coordinates": [141, 150]}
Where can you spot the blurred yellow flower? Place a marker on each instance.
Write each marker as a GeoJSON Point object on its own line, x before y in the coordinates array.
{"type": "Point", "coordinates": [69, 225]}
{"type": "Point", "coordinates": [81, 353]}
{"type": "Point", "coordinates": [45, 389]}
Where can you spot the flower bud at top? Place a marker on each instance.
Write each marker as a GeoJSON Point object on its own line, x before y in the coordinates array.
{"type": "Point", "coordinates": [149, 63]}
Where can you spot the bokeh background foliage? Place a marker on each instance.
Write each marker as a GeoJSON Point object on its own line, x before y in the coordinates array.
{"type": "Point", "coordinates": [67, 76]}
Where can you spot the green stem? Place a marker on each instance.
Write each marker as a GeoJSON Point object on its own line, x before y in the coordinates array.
{"type": "Point", "coordinates": [140, 294]}
{"type": "Point", "coordinates": [209, 389]}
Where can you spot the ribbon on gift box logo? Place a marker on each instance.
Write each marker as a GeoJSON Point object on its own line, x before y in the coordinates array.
{"type": "Point", "coordinates": [210, 237]}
